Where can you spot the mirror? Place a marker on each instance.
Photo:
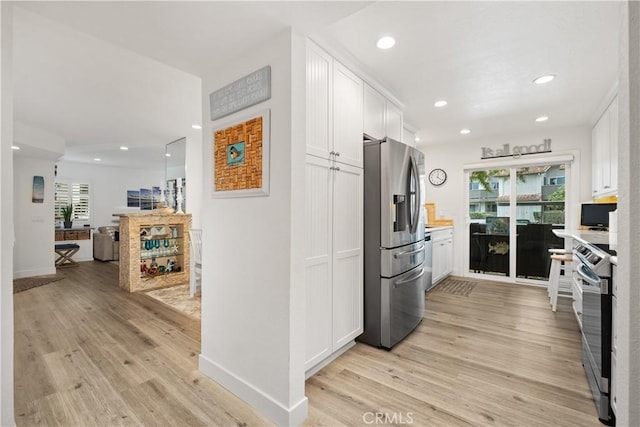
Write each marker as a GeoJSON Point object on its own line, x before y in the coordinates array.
{"type": "Point", "coordinates": [175, 172]}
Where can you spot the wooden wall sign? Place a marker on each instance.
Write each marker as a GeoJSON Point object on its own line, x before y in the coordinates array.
{"type": "Point", "coordinates": [241, 158]}
{"type": "Point", "coordinates": [245, 92]}
{"type": "Point", "coordinates": [516, 151]}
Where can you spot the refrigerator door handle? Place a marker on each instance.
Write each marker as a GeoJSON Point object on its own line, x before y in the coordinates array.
{"type": "Point", "coordinates": [413, 175]}
{"type": "Point", "coordinates": [407, 253]}
{"type": "Point", "coordinates": [411, 279]}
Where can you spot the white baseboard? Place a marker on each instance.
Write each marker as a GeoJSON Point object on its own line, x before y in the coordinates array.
{"type": "Point", "coordinates": [261, 402]}
{"type": "Point", "coordinates": [314, 369]}
{"type": "Point", "coordinates": [35, 272]}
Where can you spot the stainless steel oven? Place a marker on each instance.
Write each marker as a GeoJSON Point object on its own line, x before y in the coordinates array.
{"type": "Point", "coordinates": [594, 271]}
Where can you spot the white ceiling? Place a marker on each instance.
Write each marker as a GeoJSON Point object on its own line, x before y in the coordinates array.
{"type": "Point", "coordinates": [105, 74]}
{"type": "Point", "coordinates": [482, 58]}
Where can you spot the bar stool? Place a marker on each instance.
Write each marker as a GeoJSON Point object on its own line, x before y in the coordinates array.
{"type": "Point", "coordinates": [559, 261]}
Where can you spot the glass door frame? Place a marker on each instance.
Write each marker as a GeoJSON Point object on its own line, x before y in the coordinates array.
{"type": "Point", "coordinates": [571, 205]}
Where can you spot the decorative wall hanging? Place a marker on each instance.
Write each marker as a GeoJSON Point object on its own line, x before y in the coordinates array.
{"type": "Point", "coordinates": [250, 90]}
{"type": "Point", "coordinates": [37, 193]}
{"type": "Point", "coordinates": [516, 151]}
{"type": "Point", "coordinates": [146, 199]}
{"type": "Point", "coordinates": [241, 157]}
{"type": "Point", "coordinates": [133, 198]}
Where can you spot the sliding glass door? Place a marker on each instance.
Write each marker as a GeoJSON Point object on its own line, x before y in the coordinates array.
{"type": "Point", "coordinates": [510, 236]}
{"type": "Point", "coordinates": [490, 222]}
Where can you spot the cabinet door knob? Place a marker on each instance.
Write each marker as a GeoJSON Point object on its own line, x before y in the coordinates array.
{"type": "Point", "coordinates": [332, 153]}
{"type": "Point", "coordinates": [337, 154]}
{"type": "Point", "coordinates": [337, 169]}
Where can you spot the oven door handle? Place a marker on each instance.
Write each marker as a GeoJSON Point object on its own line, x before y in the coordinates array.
{"type": "Point", "coordinates": [588, 275]}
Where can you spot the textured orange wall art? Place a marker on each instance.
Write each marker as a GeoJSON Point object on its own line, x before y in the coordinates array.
{"type": "Point", "coordinates": [238, 152]}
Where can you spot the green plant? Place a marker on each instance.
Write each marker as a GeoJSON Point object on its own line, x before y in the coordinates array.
{"type": "Point", "coordinates": [67, 212]}
{"type": "Point", "coordinates": [558, 195]}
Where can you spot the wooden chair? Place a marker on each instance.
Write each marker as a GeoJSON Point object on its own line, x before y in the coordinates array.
{"type": "Point", "coordinates": [195, 281]}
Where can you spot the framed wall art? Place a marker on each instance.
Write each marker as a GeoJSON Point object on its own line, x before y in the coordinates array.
{"type": "Point", "coordinates": [241, 157]}
{"type": "Point", "coordinates": [37, 192]}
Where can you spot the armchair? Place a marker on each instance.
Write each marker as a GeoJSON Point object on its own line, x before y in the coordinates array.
{"type": "Point", "coordinates": [106, 244]}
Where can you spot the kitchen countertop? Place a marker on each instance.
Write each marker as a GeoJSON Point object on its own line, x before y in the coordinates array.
{"type": "Point", "coordinates": [591, 236]}
{"type": "Point", "coordinates": [429, 229]}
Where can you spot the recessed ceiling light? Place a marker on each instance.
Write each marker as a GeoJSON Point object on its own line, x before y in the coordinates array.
{"type": "Point", "coordinates": [542, 119]}
{"type": "Point", "coordinates": [465, 131]}
{"type": "Point", "coordinates": [440, 104]}
{"type": "Point", "coordinates": [544, 79]}
{"type": "Point", "coordinates": [196, 126]}
{"type": "Point", "coordinates": [167, 154]}
{"type": "Point", "coordinates": [386, 42]}
{"type": "Point", "coordinates": [15, 147]}
{"type": "Point", "coordinates": [123, 148]}
{"type": "Point", "coordinates": [417, 139]}
{"type": "Point", "coordinates": [97, 159]}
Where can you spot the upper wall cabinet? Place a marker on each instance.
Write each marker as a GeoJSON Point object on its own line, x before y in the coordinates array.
{"type": "Point", "coordinates": [381, 117]}
{"type": "Point", "coordinates": [604, 153]}
{"type": "Point", "coordinates": [408, 136]}
{"type": "Point", "coordinates": [334, 109]}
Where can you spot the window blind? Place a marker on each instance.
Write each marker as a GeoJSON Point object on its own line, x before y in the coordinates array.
{"type": "Point", "coordinates": [75, 193]}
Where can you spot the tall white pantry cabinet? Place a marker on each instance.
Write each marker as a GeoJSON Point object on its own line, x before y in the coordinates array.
{"type": "Point", "coordinates": [333, 208]}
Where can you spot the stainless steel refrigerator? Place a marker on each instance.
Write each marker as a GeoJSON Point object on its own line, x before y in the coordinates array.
{"type": "Point", "coordinates": [394, 244]}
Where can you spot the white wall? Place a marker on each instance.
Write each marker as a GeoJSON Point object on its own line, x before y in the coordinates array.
{"type": "Point", "coordinates": [628, 308]}
{"type": "Point", "coordinates": [6, 217]}
{"type": "Point", "coordinates": [193, 168]}
{"type": "Point", "coordinates": [249, 334]}
{"type": "Point", "coordinates": [33, 226]}
{"type": "Point", "coordinates": [109, 187]}
{"type": "Point", "coordinates": [449, 198]}
{"type": "Point", "coordinates": [33, 251]}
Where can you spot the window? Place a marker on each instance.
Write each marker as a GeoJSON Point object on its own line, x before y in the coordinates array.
{"type": "Point", "coordinates": [75, 193]}
{"type": "Point", "coordinates": [475, 185]}
{"type": "Point", "coordinates": [556, 180]}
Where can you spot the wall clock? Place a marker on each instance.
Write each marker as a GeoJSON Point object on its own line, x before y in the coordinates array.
{"type": "Point", "coordinates": [437, 177]}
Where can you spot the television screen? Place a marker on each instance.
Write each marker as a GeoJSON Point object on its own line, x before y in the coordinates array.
{"type": "Point", "coordinates": [596, 214]}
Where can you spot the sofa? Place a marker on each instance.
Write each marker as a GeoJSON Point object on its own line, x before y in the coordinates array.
{"type": "Point", "coordinates": [106, 243]}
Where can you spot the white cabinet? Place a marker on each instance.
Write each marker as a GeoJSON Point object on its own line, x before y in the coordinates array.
{"type": "Point", "coordinates": [393, 121]}
{"type": "Point", "coordinates": [442, 255]}
{"type": "Point", "coordinates": [334, 257]}
{"type": "Point", "coordinates": [333, 208]}
{"type": "Point", "coordinates": [604, 153]}
{"type": "Point", "coordinates": [408, 137]}
{"type": "Point", "coordinates": [381, 117]}
{"type": "Point", "coordinates": [334, 109]}
{"type": "Point", "coordinates": [374, 115]}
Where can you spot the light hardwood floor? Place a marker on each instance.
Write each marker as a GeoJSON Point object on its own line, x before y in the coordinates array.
{"type": "Point", "coordinates": [87, 353]}
{"type": "Point", "coordinates": [498, 356]}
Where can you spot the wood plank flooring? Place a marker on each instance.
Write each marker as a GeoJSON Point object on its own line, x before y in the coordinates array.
{"type": "Point", "coordinates": [88, 353]}
{"type": "Point", "coordinates": [497, 356]}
